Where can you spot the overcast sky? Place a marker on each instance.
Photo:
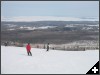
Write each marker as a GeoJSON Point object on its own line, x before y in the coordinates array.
{"type": "Point", "coordinates": [79, 9]}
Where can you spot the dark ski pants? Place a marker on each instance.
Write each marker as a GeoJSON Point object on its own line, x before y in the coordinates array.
{"type": "Point", "coordinates": [47, 49]}
{"type": "Point", "coordinates": [29, 53]}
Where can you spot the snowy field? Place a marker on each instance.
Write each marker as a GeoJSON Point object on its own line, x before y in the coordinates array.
{"type": "Point", "coordinates": [14, 60]}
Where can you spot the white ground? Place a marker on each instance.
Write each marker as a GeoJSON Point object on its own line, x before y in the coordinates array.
{"type": "Point", "coordinates": [14, 60]}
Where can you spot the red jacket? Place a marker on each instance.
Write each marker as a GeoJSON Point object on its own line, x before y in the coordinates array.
{"type": "Point", "coordinates": [28, 47]}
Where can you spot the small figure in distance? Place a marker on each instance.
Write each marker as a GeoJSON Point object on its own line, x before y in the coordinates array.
{"type": "Point", "coordinates": [44, 46]}
{"type": "Point", "coordinates": [48, 47]}
{"type": "Point", "coordinates": [37, 46]}
{"type": "Point", "coordinates": [5, 43]}
{"type": "Point", "coordinates": [28, 47]}
{"type": "Point", "coordinates": [53, 48]}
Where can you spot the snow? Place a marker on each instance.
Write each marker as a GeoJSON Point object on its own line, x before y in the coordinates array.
{"type": "Point", "coordinates": [46, 27]}
{"type": "Point", "coordinates": [94, 25]}
{"type": "Point", "coordinates": [87, 28]}
{"type": "Point", "coordinates": [27, 28]}
{"type": "Point", "coordinates": [14, 60]}
{"type": "Point", "coordinates": [70, 25]}
{"type": "Point", "coordinates": [33, 28]}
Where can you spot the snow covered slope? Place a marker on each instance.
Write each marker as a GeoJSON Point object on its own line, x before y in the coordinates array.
{"type": "Point", "coordinates": [14, 60]}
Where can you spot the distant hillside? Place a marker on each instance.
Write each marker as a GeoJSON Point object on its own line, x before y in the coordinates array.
{"type": "Point", "coordinates": [26, 25]}
{"type": "Point", "coordinates": [50, 31]}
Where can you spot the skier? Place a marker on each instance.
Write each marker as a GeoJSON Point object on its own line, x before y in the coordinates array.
{"type": "Point", "coordinates": [28, 47]}
{"type": "Point", "coordinates": [48, 47]}
{"type": "Point", "coordinates": [44, 46]}
{"type": "Point", "coordinates": [6, 43]}
{"type": "Point", "coordinates": [37, 46]}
